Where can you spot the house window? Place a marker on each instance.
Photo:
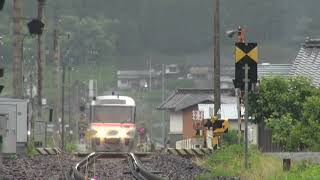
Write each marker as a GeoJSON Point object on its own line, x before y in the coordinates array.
{"type": "Point", "coordinates": [124, 81]}
{"type": "Point", "coordinates": [172, 69]}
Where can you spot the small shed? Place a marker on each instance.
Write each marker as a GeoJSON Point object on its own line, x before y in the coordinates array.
{"type": "Point", "coordinates": [13, 124]}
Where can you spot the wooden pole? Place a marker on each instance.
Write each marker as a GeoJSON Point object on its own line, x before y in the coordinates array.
{"type": "Point", "coordinates": [17, 46]}
{"type": "Point", "coordinates": [216, 59]}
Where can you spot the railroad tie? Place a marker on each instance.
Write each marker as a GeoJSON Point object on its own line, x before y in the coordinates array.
{"type": "Point", "coordinates": [50, 151]}
{"type": "Point", "coordinates": [57, 150]}
{"type": "Point", "coordinates": [41, 151]}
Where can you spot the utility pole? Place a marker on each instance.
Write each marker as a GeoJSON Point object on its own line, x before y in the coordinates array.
{"type": "Point", "coordinates": [162, 98]}
{"type": "Point", "coordinates": [150, 75]}
{"type": "Point", "coordinates": [62, 107]}
{"type": "Point", "coordinates": [41, 59]}
{"type": "Point", "coordinates": [69, 99]}
{"type": "Point", "coordinates": [17, 46]}
{"type": "Point", "coordinates": [246, 81]}
{"type": "Point", "coordinates": [216, 58]}
{"type": "Point", "coordinates": [56, 76]}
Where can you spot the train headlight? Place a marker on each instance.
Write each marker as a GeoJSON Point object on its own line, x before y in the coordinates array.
{"type": "Point", "coordinates": [130, 133]}
{"type": "Point", "coordinates": [101, 133]}
{"type": "Point", "coordinates": [123, 133]}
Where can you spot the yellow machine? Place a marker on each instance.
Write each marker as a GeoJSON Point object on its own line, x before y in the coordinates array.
{"type": "Point", "coordinates": [215, 128]}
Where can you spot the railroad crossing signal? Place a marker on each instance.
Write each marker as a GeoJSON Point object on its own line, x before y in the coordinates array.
{"type": "Point", "coordinates": [35, 26]}
{"type": "Point", "coordinates": [245, 53]}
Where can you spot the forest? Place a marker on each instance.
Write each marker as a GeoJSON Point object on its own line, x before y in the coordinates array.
{"type": "Point", "coordinates": [131, 31]}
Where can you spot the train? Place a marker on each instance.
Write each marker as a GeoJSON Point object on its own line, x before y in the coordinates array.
{"type": "Point", "coordinates": [112, 121]}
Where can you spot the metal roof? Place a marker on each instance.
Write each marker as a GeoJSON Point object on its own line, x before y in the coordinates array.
{"type": "Point", "coordinates": [227, 111]}
{"type": "Point", "coordinates": [267, 69]}
{"type": "Point", "coordinates": [307, 62]}
{"type": "Point", "coordinates": [184, 98]}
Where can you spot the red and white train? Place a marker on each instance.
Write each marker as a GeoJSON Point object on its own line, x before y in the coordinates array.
{"type": "Point", "coordinates": [112, 121]}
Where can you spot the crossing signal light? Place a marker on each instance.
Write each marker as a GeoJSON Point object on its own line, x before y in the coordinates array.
{"type": "Point", "coordinates": [35, 26]}
{"type": "Point", "coordinates": [1, 4]}
{"type": "Point", "coordinates": [50, 114]}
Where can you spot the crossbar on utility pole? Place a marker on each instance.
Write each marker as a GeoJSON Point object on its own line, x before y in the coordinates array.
{"type": "Point", "coordinates": [246, 87]}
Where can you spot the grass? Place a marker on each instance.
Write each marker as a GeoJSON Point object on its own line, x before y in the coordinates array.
{"type": "Point", "coordinates": [70, 148]}
{"type": "Point", "coordinates": [303, 170]}
{"type": "Point", "coordinates": [230, 162]}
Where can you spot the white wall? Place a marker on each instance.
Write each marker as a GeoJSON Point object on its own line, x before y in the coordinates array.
{"type": "Point", "coordinates": [176, 122]}
{"type": "Point", "coordinates": [123, 85]}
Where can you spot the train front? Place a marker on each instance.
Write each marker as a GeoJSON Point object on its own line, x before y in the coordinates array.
{"type": "Point", "coordinates": [113, 123]}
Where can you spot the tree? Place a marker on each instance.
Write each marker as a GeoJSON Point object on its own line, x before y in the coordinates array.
{"type": "Point", "coordinates": [291, 109]}
{"type": "Point", "coordinates": [90, 40]}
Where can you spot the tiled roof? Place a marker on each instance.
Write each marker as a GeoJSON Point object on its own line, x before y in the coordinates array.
{"type": "Point", "coordinates": [307, 62]}
{"type": "Point", "coordinates": [184, 98]}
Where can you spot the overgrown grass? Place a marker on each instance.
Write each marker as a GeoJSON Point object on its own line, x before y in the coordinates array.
{"type": "Point", "coordinates": [229, 162]}
{"type": "Point", "coordinates": [31, 149]}
{"type": "Point", "coordinates": [303, 170]}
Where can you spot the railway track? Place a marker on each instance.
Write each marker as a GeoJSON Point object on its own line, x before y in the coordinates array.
{"type": "Point", "coordinates": [118, 166]}
{"type": "Point", "coordinates": [111, 166]}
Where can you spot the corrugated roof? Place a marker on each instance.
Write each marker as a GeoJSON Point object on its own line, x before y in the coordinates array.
{"type": "Point", "coordinates": [307, 62]}
{"type": "Point", "coordinates": [184, 98]}
{"type": "Point", "coordinates": [273, 69]}
{"type": "Point", "coordinates": [227, 111]}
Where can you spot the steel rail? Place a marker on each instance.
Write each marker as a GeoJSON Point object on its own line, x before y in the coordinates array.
{"type": "Point", "coordinates": [136, 168]}
{"type": "Point", "coordinates": [138, 171]}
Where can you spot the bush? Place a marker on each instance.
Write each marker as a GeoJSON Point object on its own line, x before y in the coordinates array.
{"type": "Point", "coordinates": [229, 138]}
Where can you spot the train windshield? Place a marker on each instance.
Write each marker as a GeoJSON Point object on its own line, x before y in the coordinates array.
{"type": "Point", "coordinates": [113, 114]}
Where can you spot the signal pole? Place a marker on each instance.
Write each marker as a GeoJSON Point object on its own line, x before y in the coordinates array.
{"type": "Point", "coordinates": [216, 57]}
{"type": "Point", "coordinates": [246, 87]}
